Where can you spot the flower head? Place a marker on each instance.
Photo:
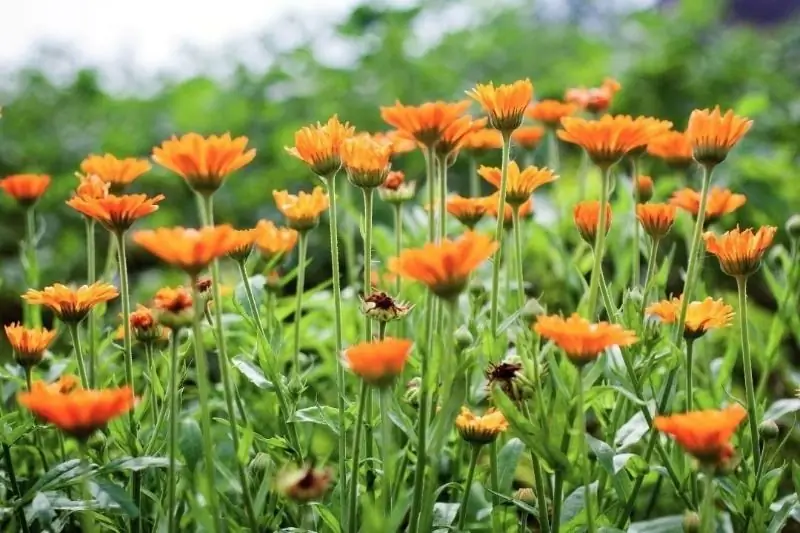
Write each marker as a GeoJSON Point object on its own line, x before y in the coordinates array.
{"type": "Point", "coordinates": [145, 326]}
{"type": "Point", "coordinates": [425, 123]}
{"type": "Point", "coordinates": [493, 205]}
{"type": "Point", "coordinates": [302, 211]}
{"type": "Point", "coordinates": [701, 316]}
{"type": "Point", "coordinates": [580, 339]}
{"type": "Point", "coordinates": [520, 184]}
{"type": "Point", "coordinates": [740, 252]}
{"type": "Point", "coordinates": [188, 249]}
{"type": "Point", "coordinates": [704, 434]}
{"type": "Point", "coordinates": [118, 173]}
{"type": "Point", "coordinates": [468, 211]}
{"type": "Point", "coordinates": [456, 134]}
{"type": "Point", "coordinates": [719, 202]}
{"type": "Point", "coordinates": [509, 376]}
{"type": "Point", "coordinates": [643, 189]}
{"type": "Point", "coordinates": [382, 307]}
{"type": "Point", "coordinates": [245, 239]}
{"type": "Point", "coordinates": [483, 140]}
{"type": "Point", "coordinates": [29, 344]}
{"type": "Point", "coordinates": [273, 241]}
{"type": "Point", "coordinates": [528, 137]}
{"type": "Point", "coordinates": [586, 215]}
{"type": "Point", "coordinates": [395, 189]}
{"type": "Point", "coordinates": [596, 99]}
{"type": "Point", "coordinates": [505, 104]}
{"type": "Point", "coordinates": [319, 146]}
{"type": "Point", "coordinates": [71, 305]}
{"type": "Point", "coordinates": [656, 219]}
{"type": "Point", "coordinates": [712, 134]}
{"type": "Point", "coordinates": [479, 430]}
{"type": "Point", "coordinates": [367, 162]}
{"type": "Point", "coordinates": [673, 147]}
{"type": "Point", "coordinates": [304, 484]}
{"type": "Point", "coordinates": [91, 186]}
{"type": "Point", "coordinates": [550, 112]}
{"type": "Point", "coordinates": [395, 139]}
{"type": "Point", "coordinates": [609, 138]}
{"type": "Point", "coordinates": [26, 189]}
{"type": "Point", "coordinates": [378, 362]}
{"type": "Point", "coordinates": [116, 213]}
{"type": "Point", "coordinates": [204, 162]}
{"type": "Point", "coordinates": [173, 307]}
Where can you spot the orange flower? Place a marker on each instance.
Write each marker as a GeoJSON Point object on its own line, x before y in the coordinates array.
{"type": "Point", "coordinates": [720, 202]}
{"type": "Point", "coordinates": [492, 205]}
{"type": "Point", "coordinates": [245, 238]}
{"type": "Point", "coordinates": [704, 434]}
{"type": "Point", "coordinates": [656, 219]}
{"type": "Point", "coordinates": [394, 180]}
{"type": "Point", "coordinates": [116, 213]}
{"type": "Point", "coordinates": [79, 413]}
{"type": "Point", "coordinates": [586, 215]}
{"type": "Point", "coordinates": [273, 241]}
{"type": "Point", "coordinates": [71, 305]}
{"type": "Point", "coordinates": [145, 326]}
{"type": "Point", "coordinates": [366, 161]}
{"type": "Point", "coordinates": [118, 173]}
{"type": "Point", "coordinates": [596, 99]}
{"type": "Point", "coordinates": [396, 140]}
{"type": "Point", "coordinates": [378, 362]}
{"type": "Point", "coordinates": [528, 137]}
{"type": "Point", "coordinates": [673, 147]}
{"type": "Point", "coordinates": [611, 137]}
{"type": "Point", "coordinates": [188, 249]}
{"type": "Point", "coordinates": [29, 344]}
{"type": "Point", "coordinates": [505, 104]}
{"type": "Point", "coordinates": [520, 184]}
{"type": "Point", "coordinates": [91, 186]}
{"type": "Point", "coordinates": [712, 134]}
{"type": "Point", "coordinates": [550, 112]}
{"type": "Point", "coordinates": [173, 307]}
{"type": "Point", "coordinates": [425, 123]}
{"type": "Point", "coordinates": [468, 211]}
{"type": "Point", "coordinates": [580, 339]}
{"type": "Point", "coordinates": [319, 146]}
{"type": "Point", "coordinates": [64, 385]}
{"type": "Point", "coordinates": [26, 189]}
{"type": "Point", "coordinates": [740, 252]}
{"type": "Point", "coordinates": [304, 484]}
{"type": "Point", "coordinates": [204, 162]}
{"type": "Point", "coordinates": [395, 189]}
{"type": "Point", "coordinates": [445, 267]}
{"type": "Point", "coordinates": [644, 189]}
{"type": "Point", "coordinates": [479, 430]}
{"type": "Point", "coordinates": [700, 316]}
{"type": "Point", "coordinates": [454, 136]}
{"type": "Point", "coordinates": [483, 140]}
{"type": "Point", "coordinates": [302, 211]}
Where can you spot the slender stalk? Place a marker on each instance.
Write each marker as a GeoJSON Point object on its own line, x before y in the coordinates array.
{"type": "Point", "coordinates": [32, 270]}
{"type": "Point", "coordinates": [462, 509]}
{"type": "Point", "coordinates": [125, 295]}
{"type": "Point", "coordinates": [398, 247]}
{"type": "Point", "coordinates": [349, 237]}
{"type": "Point", "coordinates": [173, 429]}
{"type": "Point", "coordinates": [386, 447]}
{"type": "Point", "coordinates": [752, 413]}
{"type": "Point", "coordinates": [12, 478]}
{"type": "Point", "coordinates": [87, 516]}
{"type": "Point", "coordinates": [430, 185]}
{"type": "Point", "coordinates": [538, 479]}
{"type": "Point", "coordinates": [352, 503]}
{"type": "Point", "coordinates": [690, 405]}
{"type": "Point", "coordinates": [76, 343]}
{"type": "Point", "coordinates": [91, 277]}
{"type": "Point", "coordinates": [495, 483]}
{"type": "Point", "coordinates": [369, 196]}
{"type": "Point", "coordinates": [583, 170]}
{"type": "Point", "coordinates": [708, 512]}
{"type": "Point", "coordinates": [518, 252]}
{"type": "Point", "coordinates": [152, 377]}
{"type": "Point", "coordinates": [585, 452]}
{"type": "Point", "coordinates": [599, 243]}
{"type": "Point", "coordinates": [498, 234]}
{"type": "Point", "coordinates": [442, 197]}
{"type": "Point", "coordinates": [474, 181]}
{"type": "Point", "coordinates": [298, 299]}
{"type": "Point", "coordinates": [552, 150]}
{"type": "Point", "coordinates": [636, 238]}
{"type": "Point", "coordinates": [652, 261]}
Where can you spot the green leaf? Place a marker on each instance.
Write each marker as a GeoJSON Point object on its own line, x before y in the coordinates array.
{"type": "Point", "coordinates": [135, 463]}
{"type": "Point", "coordinates": [253, 374]}
{"type": "Point", "coordinates": [507, 460]}
{"type": "Point", "coordinates": [41, 510]}
{"type": "Point", "coordinates": [785, 509]}
{"type": "Point", "coordinates": [110, 495]}
{"type": "Point", "coordinates": [61, 472]}
{"type": "Point", "coordinates": [444, 514]}
{"type": "Point", "coordinates": [324, 415]}
{"type": "Point", "coordinates": [190, 443]}
{"type": "Point", "coordinates": [573, 505]}
{"type": "Point", "coordinates": [666, 524]}
{"type": "Point", "coordinates": [782, 408]}
{"type": "Point", "coordinates": [631, 431]}
{"type": "Point", "coordinates": [327, 517]}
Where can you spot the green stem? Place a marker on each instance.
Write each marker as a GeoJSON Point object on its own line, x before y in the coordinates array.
{"type": "Point", "coordinates": [124, 289]}
{"type": "Point", "coordinates": [585, 452]}
{"type": "Point", "coordinates": [474, 182]}
{"type": "Point", "coordinates": [498, 234]}
{"type": "Point", "coordinates": [14, 486]}
{"type": "Point", "coordinates": [349, 237]}
{"type": "Point", "coordinates": [708, 512]}
{"type": "Point", "coordinates": [386, 447]}
{"type": "Point", "coordinates": [152, 378]}
{"type": "Point", "coordinates": [32, 271]}
{"type": "Point", "coordinates": [518, 252]}
{"type": "Point", "coordinates": [599, 243]}
{"type": "Point", "coordinates": [298, 300]}
{"type": "Point", "coordinates": [494, 481]}
{"type": "Point", "coordinates": [87, 516]}
{"type": "Point", "coordinates": [652, 260]}
{"type": "Point", "coordinates": [442, 208]}
{"type": "Point", "coordinates": [369, 196]}
{"type": "Point", "coordinates": [76, 343]}
{"type": "Point", "coordinates": [91, 277]}
{"type": "Point", "coordinates": [111, 259]}
{"type": "Point", "coordinates": [558, 481]}
{"type": "Point", "coordinates": [583, 171]}
{"type": "Point", "coordinates": [173, 429]}
{"type": "Point", "coordinates": [636, 238]}
{"type": "Point", "coordinates": [608, 303]}
{"type": "Point", "coordinates": [398, 247]}
{"type": "Point", "coordinates": [352, 522]}
{"type": "Point", "coordinates": [430, 185]}
{"type": "Point", "coordinates": [538, 479]}
{"type": "Point", "coordinates": [552, 150]}
{"type": "Point", "coordinates": [690, 406]}
{"type": "Point", "coordinates": [752, 413]}
{"type": "Point", "coordinates": [462, 509]}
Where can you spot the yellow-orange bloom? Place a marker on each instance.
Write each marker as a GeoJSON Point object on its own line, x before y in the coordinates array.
{"type": "Point", "coordinates": [596, 99]}
{"type": "Point", "coordinates": [656, 219]}
{"type": "Point", "coordinates": [80, 412]}
{"type": "Point", "coordinates": [493, 204]}
{"type": "Point", "coordinates": [399, 143]}
{"type": "Point", "coordinates": [740, 252]}
{"type": "Point", "coordinates": [468, 211]}
{"type": "Point", "coordinates": [701, 316]}
{"type": "Point", "coordinates": [144, 325]}
{"type": "Point", "coordinates": [673, 147]}
{"type": "Point", "coordinates": [611, 137]}
{"type": "Point", "coordinates": [245, 239]}
{"type": "Point", "coordinates": [643, 186]}
{"type": "Point", "coordinates": [550, 112]}
{"type": "Point", "coordinates": [118, 173]}
{"type": "Point", "coordinates": [520, 184]}
{"type": "Point", "coordinates": [586, 215]}
{"type": "Point", "coordinates": [188, 249]}
{"type": "Point", "coordinates": [483, 140]}
{"type": "Point", "coordinates": [704, 434]}
{"type": "Point", "coordinates": [91, 186]}
{"type": "Point", "coordinates": [273, 241]}
{"type": "Point", "coordinates": [26, 189]}
{"type": "Point", "coordinates": [528, 137]}
{"type": "Point", "coordinates": [719, 202]}
{"type": "Point", "coordinates": [204, 162]}
{"type": "Point", "coordinates": [302, 211]}
{"type": "Point", "coordinates": [445, 267]}
{"type": "Point", "coordinates": [71, 305]}
{"type": "Point", "coordinates": [425, 123]}
{"type": "Point", "coordinates": [378, 362]}
{"type": "Point", "coordinates": [366, 161]}
{"type": "Point", "coordinates": [712, 134]}
{"type": "Point", "coordinates": [29, 344]}
{"type": "Point", "coordinates": [580, 339]}
{"type": "Point", "coordinates": [454, 136]}
{"type": "Point", "coordinates": [479, 430]}
{"type": "Point", "coordinates": [65, 384]}
{"type": "Point", "coordinates": [319, 146]}
{"type": "Point", "coordinates": [505, 104]}
{"type": "Point", "coordinates": [174, 300]}
{"type": "Point", "coordinates": [116, 213]}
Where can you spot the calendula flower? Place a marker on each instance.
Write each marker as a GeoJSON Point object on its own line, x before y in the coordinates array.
{"type": "Point", "coordinates": [528, 137]}
{"type": "Point", "coordinates": [701, 316]}
{"type": "Point", "coordinates": [382, 307]}
{"type": "Point", "coordinates": [26, 189]}
{"type": "Point", "coordinates": [520, 183]}
{"type": "Point", "coordinates": [91, 187]}
{"type": "Point", "coordinates": [367, 162]}
{"type": "Point", "coordinates": [273, 241]}
{"type": "Point", "coordinates": [586, 215]}
{"type": "Point", "coordinates": [425, 123]}
{"type": "Point", "coordinates": [63, 385]}
{"type": "Point", "coordinates": [395, 139]}
{"type": "Point", "coordinates": [319, 146]}
{"type": "Point", "coordinates": [595, 100]}
{"type": "Point", "coordinates": [378, 362]}
{"type": "Point", "coordinates": [302, 211]}
{"type": "Point", "coordinates": [580, 339]}
{"type": "Point", "coordinates": [704, 434]}
{"type": "Point", "coordinates": [609, 138]}
{"type": "Point", "coordinates": [116, 213]}
{"type": "Point", "coordinates": [145, 327]}
{"type": "Point", "coordinates": [483, 140]}
{"type": "Point", "coordinates": [445, 267]}
{"type": "Point", "coordinates": [468, 211]}
{"type": "Point", "coordinates": [740, 252]}
{"type": "Point", "coordinates": [712, 134]}
{"type": "Point", "coordinates": [173, 307]}
{"type": "Point", "coordinates": [71, 305]}
{"type": "Point", "coordinates": [492, 204]}
{"type": "Point", "coordinates": [673, 147]}
{"type": "Point", "coordinates": [245, 239]}
{"type": "Point", "coordinates": [304, 484]}
{"type": "Point", "coordinates": [204, 162]}
{"type": "Point", "coordinates": [79, 413]}
{"type": "Point", "coordinates": [550, 112]}
{"type": "Point", "coordinates": [454, 136]}
{"type": "Point", "coordinates": [719, 202]}
{"type": "Point", "coordinates": [29, 344]}
{"type": "Point", "coordinates": [479, 430]}
{"type": "Point", "coordinates": [395, 189]}
{"type": "Point", "coordinates": [118, 173]}
{"type": "Point", "coordinates": [644, 188]}
{"type": "Point", "coordinates": [656, 219]}
{"type": "Point", "coordinates": [191, 250]}
{"type": "Point", "coordinates": [505, 104]}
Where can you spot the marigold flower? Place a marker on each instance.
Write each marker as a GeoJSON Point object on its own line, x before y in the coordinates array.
{"type": "Point", "coordinates": [712, 134]}
{"type": "Point", "coordinates": [273, 241]}
{"type": "Point", "coordinates": [456, 134]}
{"type": "Point", "coordinates": [656, 219]}
{"type": "Point", "coordinates": [382, 307]}
{"type": "Point", "coordinates": [505, 104]}
{"type": "Point", "coordinates": [520, 184]}
{"type": "Point", "coordinates": [468, 211]}
{"type": "Point", "coordinates": [245, 239]}
{"type": "Point", "coordinates": [118, 173]}
{"type": "Point", "coordinates": [740, 252]}
{"type": "Point", "coordinates": [145, 326]}
{"type": "Point", "coordinates": [319, 146]}
{"type": "Point", "coordinates": [63, 385]}
{"type": "Point", "coordinates": [304, 484]}
{"type": "Point", "coordinates": [719, 202]}
{"type": "Point", "coordinates": [701, 316]}
{"type": "Point", "coordinates": [29, 345]}
{"type": "Point", "coordinates": [704, 434]}
{"type": "Point", "coordinates": [188, 249]}
{"type": "Point", "coordinates": [367, 162]}
{"type": "Point", "coordinates": [643, 188]}
{"type": "Point", "coordinates": [116, 213]}
{"type": "Point", "coordinates": [596, 99]}
{"type": "Point", "coordinates": [445, 267]}
{"type": "Point", "coordinates": [609, 138]}
{"type": "Point", "coordinates": [91, 186]}
{"type": "Point", "coordinates": [26, 189]}
{"type": "Point", "coordinates": [492, 204]}
{"type": "Point", "coordinates": [528, 137]}
{"type": "Point", "coordinates": [378, 362]}
{"type": "Point", "coordinates": [483, 140]}
{"type": "Point", "coordinates": [79, 413]}
{"type": "Point", "coordinates": [302, 211]}
{"type": "Point", "coordinates": [673, 147]}
{"type": "Point", "coordinates": [71, 305]}
{"type": "Point", "coordinates": [425, 123]}
{"type": "Point", "coordinates": [395, 139]}
{"type": "Point", "coordinates": [586, 215]}
{"type": "Point", "coordinates": [479, 430]}
{"type": "Point", "coordinates": [580, 339]}
{"type": "Point", "coordinates": [550, 112]}
{"type": "Point", "coordinates": [173, 307]}
{"type": "Point", "coordinates": [204, 162]}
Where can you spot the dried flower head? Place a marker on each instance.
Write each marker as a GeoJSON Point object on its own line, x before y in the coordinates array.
{"type": "Point", "coordinates": [479, 430]}
{"type": "Point", "coordinates": [378, 362]}
{"type": "Point", "coordinates": [740, 252]}
{"type": "Point", "coordinates": [382, 307]}
{"type": "Point", "coordinates": [26, 189]}
{"type": "Point", "coordinates": [505, 104]}
{"type": "Point", "coordinates": [273, 241]}
{"type": "Point", "coordinates": [302, 211]}
{"type": "Point", "coordinates": [712, 134]}
{"type": "Point", "coordinates": [71, 305]}
{"type": "Point", "coordinates": [116, 213]}
{"type": "Point", "coordinates": [319, 146]}
{"type": "Point", "coordinates": [520, 184]}
{"type": "Point", "coordinates": [118, 173]}
{"type": "Point", "coordinates": [672, 147]}
{"type": "Point", "coordinates": [609, 138]}
{"type": "Point", "coordinates": [656, 219]}
{"type": "Point", "coordinates": [704, 434]}
{"type": "Point", "coordinates": [510, 377]}
{"type": "Point", "coordinates": [304, 484]}
{"type": "Point", "coordinates": [367, 162]}
{"type": "Point", "coordinates": [586, 215]}
{"type": "Point", "coordinates": [701, 316]}
{"type": "Point", "coordinates": [468, 211]}
{"type": "Point", "coordinates": [580, 339]}
{"type": "Point", "coordinates": [550, 112]}
{"type": "Point", "coordinates": [425, 123]}
{"type": "Point", "coordinates": [191, 250]}
{"type": "Point", "coordinates": [719, 202]}
{"type": "Point", "coordinates": [29, 344]}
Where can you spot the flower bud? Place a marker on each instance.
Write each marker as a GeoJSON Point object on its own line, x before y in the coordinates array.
{"type": "Point", "coordinates": [691, 522]}
{"type": "Point", "coordinates": [525, 495]}
{"type": "Point", "coordinates": [644, 187]}
{"type": "Point", "coordinates": [260, 463]}
{"type": "Point", "coordinates": [768, 430]}
{"type": "Point", "coordinates": [411, 396]}
{"type": "Point", "coordinates": [463, 338]}
{"type": "Point", "coordinates": [793, 227]}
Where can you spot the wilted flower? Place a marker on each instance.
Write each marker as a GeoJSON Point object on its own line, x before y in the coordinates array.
{"type": "Point", "coordinates": [144, 326]}
{"type": "Point", "coordinates": [304, 484]}
{"type": "Point", "coordinates": [382, 307]}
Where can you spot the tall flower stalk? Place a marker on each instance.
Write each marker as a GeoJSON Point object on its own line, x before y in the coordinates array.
{"type": "Point", "coordinates": [498, 236]}
{"type": "Point", "coordinates": [600, 242]}
{"type": "Point", "coordinates": [32, 261]}
{"type": "Point", "coordinates": [91, 277]}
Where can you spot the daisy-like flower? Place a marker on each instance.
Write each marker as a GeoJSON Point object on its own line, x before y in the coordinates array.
{"type": "Point", "coordinates": [79, 413]}
{"type": "Point", "coordinates": [528, 137]}
{"type": "Point", "coordinates": [719, 202]}
{"type": "Point", "coordinates": [304, 484]}
{"type": "Point", "coordinates": [191, 250]}
{"type": "Point", "coordinates": [483, 140]}
{"type": "Point", "coordinates": [586, 215]}
{"type": "Point", "coordinates": [382, 307]}
{"type": "Point", "coordinates": [656, 219]}
{"type": "Point", "coordinates": [740, 252]}
{"type": "Point", "coordinates": [704, 434]}
{"type": "Point", "coordinates": [505, 104]}
{"type": "Point", "coordinates": [395, 139]}
{"type": "Point", "coordinates": [116, 213]}
{"type": "Point", "coordinates": [595, 100]}
{"type": "Point", "coordinates": [580, 339]}
{"type": "Point", "coordinates": [26, 189]}
{"type": "Point", "coordinates": [701, 316]}
{"type": "Point", "coordinates": [520, 183]}
{"type": "Point", "coordinates": [302, 211]}
{"type": "Point", "coordinates": [550, 112]}
{"type": "Point", "coordinates": [63, 385]}
{"type": "Point", "coordinates": [425, 123]}
{"type": "Point", "coordinates": [91, 186]}
{"type": "Point", "coordinates": [480, 429]}
{"type": "Point", "coordinates": [118, 173]}
{"type": "Point", "coordinates": [378, 362]}
{"type": "Point", "coordinates": [204, 162]}
{"type": "Point", "coordinates": [672, 147]}
{"type": "Point", "coordinates": [28, 344]}
{"type": "Point", "coordinates": [273, 241]}
{"type": "Point", "coordinates": [367, 162]}
{"type": "Point", "coordinates": [145, 327]}
{"type": "Point", "coordinates": [445, 267]}
{"type": "Point", "coordinates": [319, 146]}
{"type": "Point", "coordinates": [712, 134]}
{"type": "Point", "coordinates": [455, 135]}
{"type": "Point", "coordinates": [492, 205]}
{"type": "Point", "coordinates": [468, 211]}
{"type": "Point", "coordinates": [395, 189]}
{"type": "Point", "coordinates": [173, 307]}
{"type": "Point", "coordinates": [609, 138]}
{"type": "Point", "coordinates": [644, 188]}
{"type": "Point", "coordinates": [71, 305]}
{"type": "Point", "coordinates": [245, 239]}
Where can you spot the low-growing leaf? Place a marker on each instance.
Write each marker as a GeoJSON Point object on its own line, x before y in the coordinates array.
{"type": "Point", "coordinates": [631, 431]}
{"type": "Point", "coordinates": [507, 460]}
{"type": "Point", "coordinates": [324, 415]}
{"type": "Point", "coordinates": [110, 496]}
{"type": "Point", "coordinates": [253, 374]}
{"type": "Point", "coordinates": [782, 408]}
{"type": "Point", "coordinates": [41, 510]}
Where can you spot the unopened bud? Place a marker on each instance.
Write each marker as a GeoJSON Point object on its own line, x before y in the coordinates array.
{"type": "Point", "coordinates": [411, 396]}
{"type": "Point", "coordinates": [463, 338]}
{"type": "Point", "coordinates": [644, 186]}
{"type": "Point", "coordinates": [768, 430]}
{"type": "Point", "coordinates": [260, 463]}
{"type": "Point", "coordinates": [691, 522]}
